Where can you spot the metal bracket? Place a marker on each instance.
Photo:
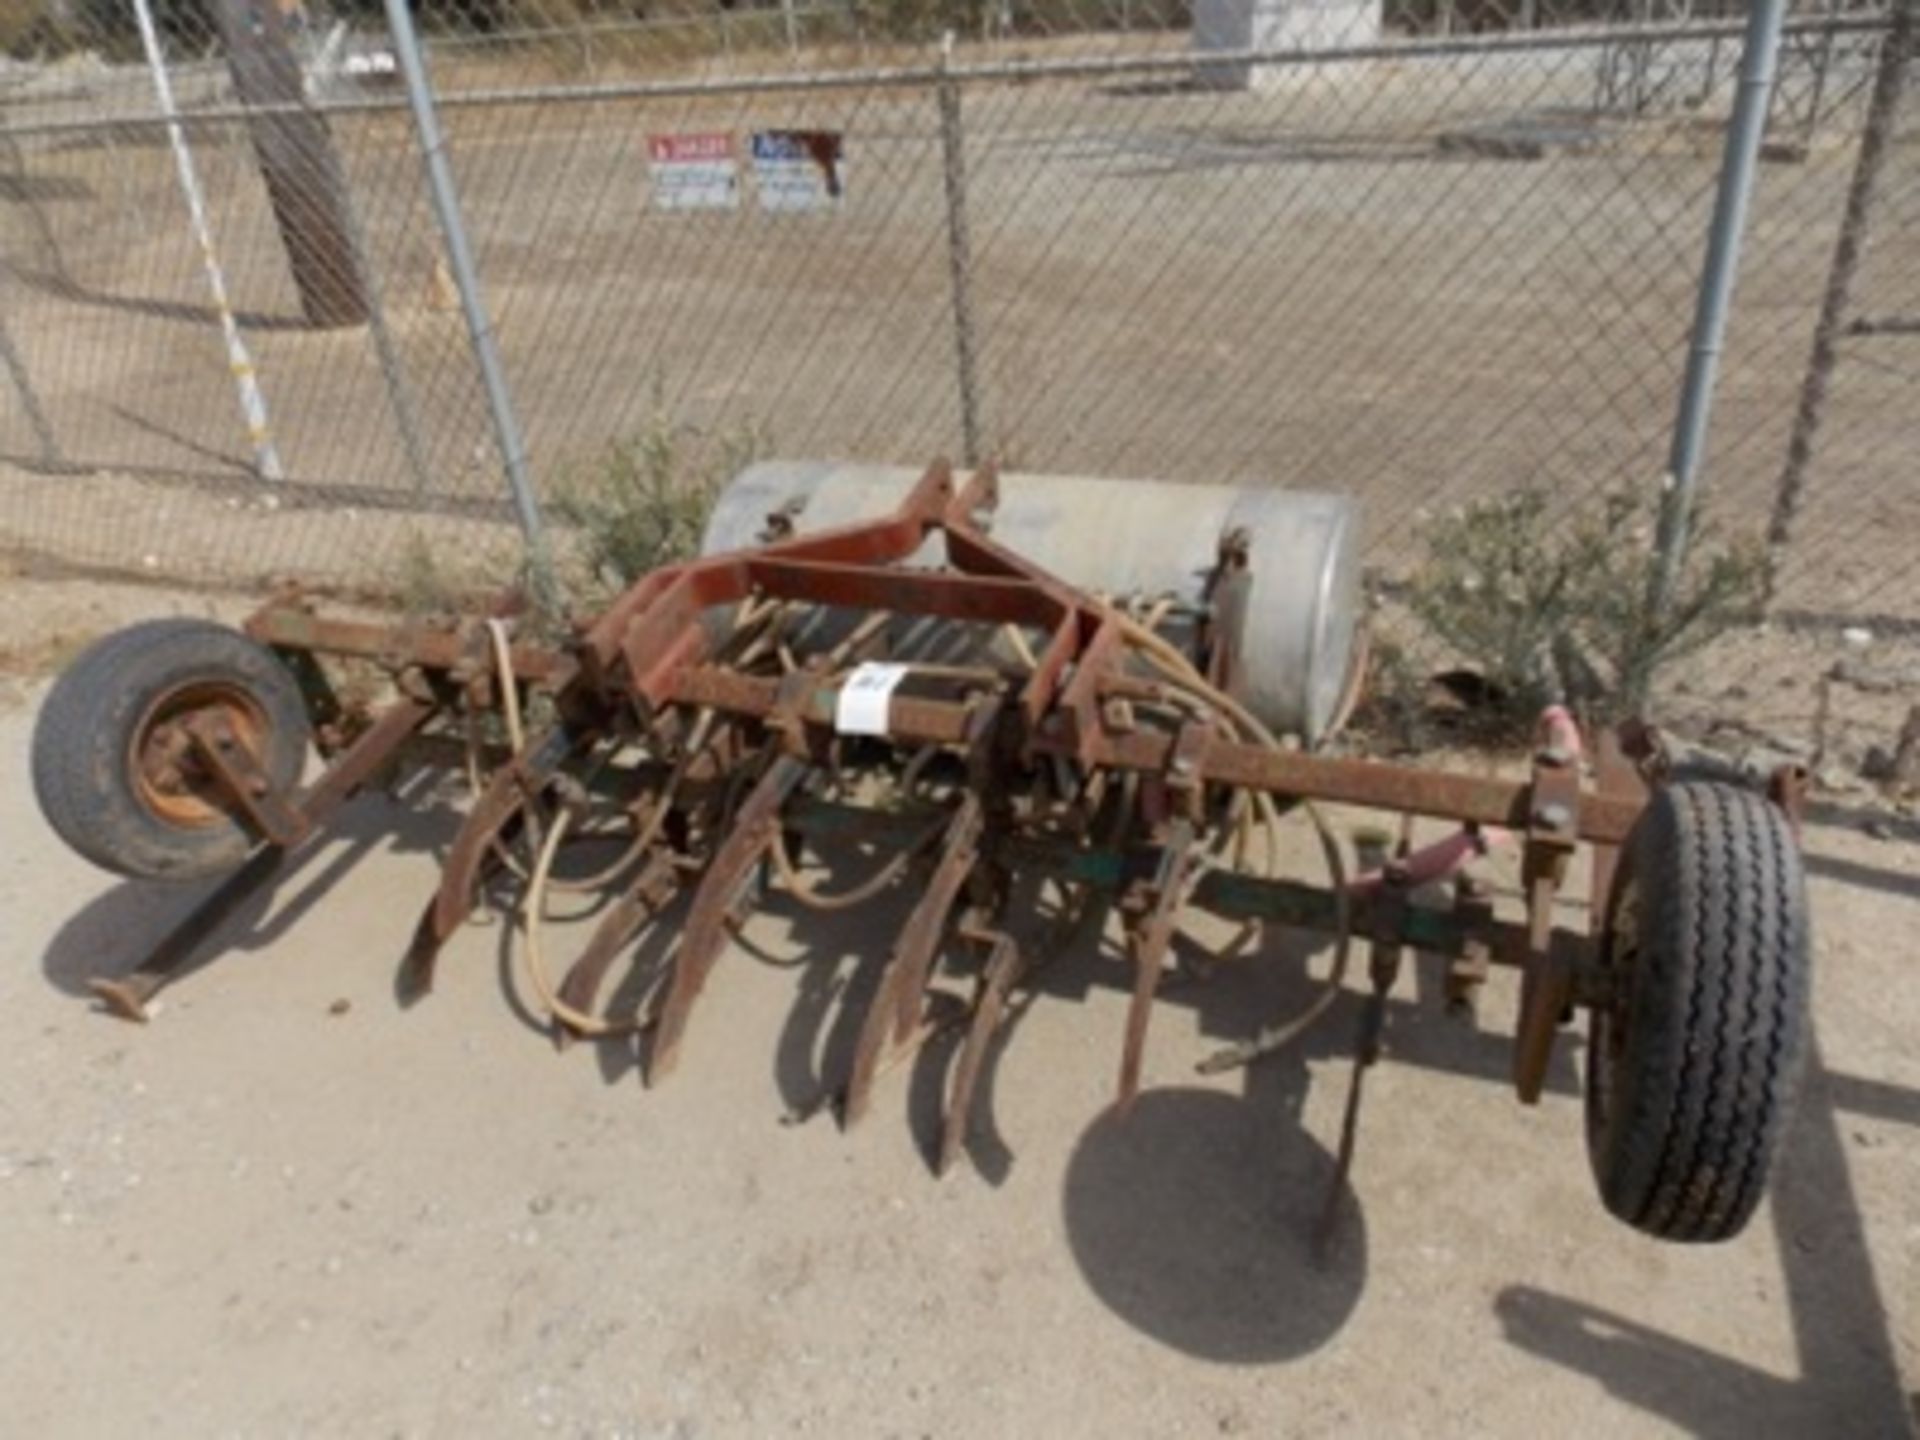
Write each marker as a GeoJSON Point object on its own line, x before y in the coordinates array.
{"type": "Point", "coordinates": [1553, 829]}
{"type": "Point", "coordinates": [261, 808]}
{"type": "Point", "coordinates": [1149, 934]}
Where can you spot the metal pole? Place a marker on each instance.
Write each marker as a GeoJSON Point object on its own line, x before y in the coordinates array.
{"type": "Point", "coordinates": [1759, 51]}
{"type": "Point", "coordinates": [1896, 55]}
{"type": "Point", "coordinates": [959, 254]}
{"type": "Point", "coordinates": [253, 404]}
{"type": "Point", "coordinates": [466, 279]}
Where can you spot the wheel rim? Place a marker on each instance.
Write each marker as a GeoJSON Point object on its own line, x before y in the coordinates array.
{"type": "Point", "coordinates": [168, 779]}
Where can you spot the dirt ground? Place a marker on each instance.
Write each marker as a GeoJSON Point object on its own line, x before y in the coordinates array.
{"type": "Point", "coordinates": [291, 1206]}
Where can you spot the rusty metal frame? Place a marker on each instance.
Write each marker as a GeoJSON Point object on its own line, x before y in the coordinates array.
{"type": "Point", "coordinates": [654, 657]}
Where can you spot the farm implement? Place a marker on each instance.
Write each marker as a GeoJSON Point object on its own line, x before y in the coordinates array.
{"type": "Point", "coordinates": [994, 689]}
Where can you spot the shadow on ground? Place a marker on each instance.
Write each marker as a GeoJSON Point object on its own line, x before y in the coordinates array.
{"type": "Point", "coordinates": [115, 931]}
{"type": "Point", "coordinates": [1194, 1217]}
{"type": "Point", "coordinates": [1849, 1377]}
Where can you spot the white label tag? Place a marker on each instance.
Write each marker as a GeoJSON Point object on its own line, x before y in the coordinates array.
{"type": "Point", "coordinates": [862, 707]}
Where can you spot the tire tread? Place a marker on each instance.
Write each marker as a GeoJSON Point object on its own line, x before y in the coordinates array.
{"type": "Point", "coordinates": [1719, 1015]}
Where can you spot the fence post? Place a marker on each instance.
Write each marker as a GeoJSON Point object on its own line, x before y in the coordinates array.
{"type": "Point", "coordinates": [959, 253]}
{"type": "Point", "coordinates": [1896, 54]}
{"type": "Point", "coordinates": [1759, 51]}
{"type": "Point", "coordinates": [486, 353]}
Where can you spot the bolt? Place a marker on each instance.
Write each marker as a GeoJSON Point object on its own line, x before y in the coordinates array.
{"type": "Point", "coordinates": [1553, 816]}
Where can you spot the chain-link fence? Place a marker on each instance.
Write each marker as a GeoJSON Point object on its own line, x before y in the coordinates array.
{"type": "Point", "coordinates": [1427, 252]}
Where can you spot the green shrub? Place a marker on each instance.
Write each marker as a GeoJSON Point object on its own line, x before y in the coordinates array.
{"type": "Point", "coordinates": [643, 501]}
{"type": "Point", "coordinates": [1565, 612]}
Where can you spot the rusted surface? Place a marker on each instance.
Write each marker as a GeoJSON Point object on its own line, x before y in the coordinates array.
{"type": "Point", "coordinates": [1372, 784]}
{"type": "Point", "coordinates": [997, 979]}
{"type": "Point", "coordinates": [229, 757]}
{"type": "Point", "coordinates": [288, 624]}
{"type": "Point", "coordinates": [899, 1001]}
{"type": "Point", "coordinates": [921, 937]}
{"type": "Point", "coordinates": [705, 936]}
{"type": "Point", "coordinates": [1553, 823]}
{"type": "Point", "coordinates": [507, 794]}
{"type": "Point", "coordinates": [193, 756]}
{"type": "Point", "coordinates": [623, 921]}
{"type": "Point", "coordinates": [1787, 787]}
{"type": "Point", "coordinates": [1149, 933]}
{"type": "Point", "coordinates": [1616, 777]}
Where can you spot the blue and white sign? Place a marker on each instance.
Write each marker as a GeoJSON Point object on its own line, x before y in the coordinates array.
{"type": "Point", "coordinates": [799, 169]}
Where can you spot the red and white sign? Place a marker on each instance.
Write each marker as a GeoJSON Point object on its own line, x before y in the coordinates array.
{"type": "Point", "coordinates": [699, 170]}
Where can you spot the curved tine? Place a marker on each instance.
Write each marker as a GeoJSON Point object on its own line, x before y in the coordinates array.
{"type": "Point", "coordinates": [638, 903]}
{"type": "Point", "coordinates": [505, 796]}
{"type": "Point", "coordinates": [472, 854]}
{"type": "Point", "coordinates": [423, 954]}
{"type": "Point", "coordinates": [1151, 935]}
{"type": "Point", "coordinates": [705, 936]}
{"type": "Point", "coordinates": [876, 1028]}
{"type": "Point", "coordinates": [1003, 968]}
{"type": "Point", "coordinates": [894, 1012]}
{"type": "Point", "coordinates": [959, 850]}
{"type": "Point", "coordinates": [437, 923]}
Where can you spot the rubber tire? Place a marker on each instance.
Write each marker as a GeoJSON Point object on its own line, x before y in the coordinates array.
{"type": "Point", "coordinates": [81, 743]}
{"type": "Point", "coordinates": [1686, 1107]}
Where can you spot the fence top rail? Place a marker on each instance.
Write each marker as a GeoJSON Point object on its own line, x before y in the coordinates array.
{"type": "Point", "coordinates": [441, 41]}
{"type": "Point", "coordinates": [997, 71]}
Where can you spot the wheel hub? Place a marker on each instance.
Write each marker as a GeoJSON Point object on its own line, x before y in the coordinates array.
{"type": "Point", "coordinates": [168, 778]}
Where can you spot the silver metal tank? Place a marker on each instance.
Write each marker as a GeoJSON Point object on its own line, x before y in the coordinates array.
{"type": "Point", "coordinates": [1149, 538]}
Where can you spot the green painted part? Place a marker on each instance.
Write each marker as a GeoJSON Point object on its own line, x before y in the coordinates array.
{"type": "Point", "coordinates": [1227, 894]}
